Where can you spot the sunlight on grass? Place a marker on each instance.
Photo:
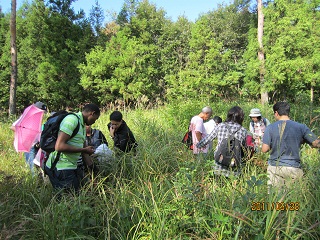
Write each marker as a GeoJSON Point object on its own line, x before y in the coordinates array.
{"type": "Point", "coordinates": [162, 192]}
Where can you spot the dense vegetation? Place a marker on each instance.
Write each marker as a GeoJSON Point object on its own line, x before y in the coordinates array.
{"type": "Point", "coordinates": [143, 58]}
{"type": "Point", "coordinates": [163, 192]}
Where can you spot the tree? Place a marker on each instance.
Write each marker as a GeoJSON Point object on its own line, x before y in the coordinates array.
{"type": "Point", "coordinates": [264, 94]}
{"type": "Point", "coordinates": [14, 67]}
{"type": "Point", "coordinates": [292, 49]}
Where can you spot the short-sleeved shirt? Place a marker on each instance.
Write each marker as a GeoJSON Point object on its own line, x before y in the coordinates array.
{"type": "Point", "coordinates": [196, 125]}
{"type": "Point", "coordinates": [286, 152]}
{"type": "Point", "coordinates": [222, 131]}
{"type": "Point", "coordinates": [69, 160]}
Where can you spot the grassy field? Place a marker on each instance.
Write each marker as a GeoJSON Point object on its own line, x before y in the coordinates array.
{"type": "Point", "coordinates": [162, 192]}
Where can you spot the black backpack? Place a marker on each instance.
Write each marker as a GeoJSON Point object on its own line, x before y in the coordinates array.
{"type": "Point", "coordinates": [230, 151]}
{"type": "Point", "coordinates": [50, 132]}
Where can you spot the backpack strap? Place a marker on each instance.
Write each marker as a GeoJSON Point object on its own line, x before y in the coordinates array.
{"type": "Point", "coordinates": [264, 121]}
{"type": "Point", "coordinates": [75, 131]}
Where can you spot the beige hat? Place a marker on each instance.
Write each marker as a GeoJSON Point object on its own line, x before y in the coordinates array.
{"type": "Point", "coordinates": [255, 112]}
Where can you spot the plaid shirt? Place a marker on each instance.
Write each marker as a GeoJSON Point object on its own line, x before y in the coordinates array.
{"type": "Point", "coordinates": [222, 132]}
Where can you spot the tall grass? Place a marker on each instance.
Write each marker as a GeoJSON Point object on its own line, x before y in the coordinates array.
{"type": "Point", "coordinates": [161, 193]}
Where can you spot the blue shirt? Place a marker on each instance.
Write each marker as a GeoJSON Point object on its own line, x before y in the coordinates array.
{"type": "Point", "coordinates": [285, 150]}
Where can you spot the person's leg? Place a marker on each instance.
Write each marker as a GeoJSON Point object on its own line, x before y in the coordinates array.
{"type": "Point", "coordinates": [29, 156]}
{"type": "Point", "coordinates": [275, 179]}
{"type": "Point", "coordinates": [63, 179]}
{"type": "Point", "coordinates": [291, 175]}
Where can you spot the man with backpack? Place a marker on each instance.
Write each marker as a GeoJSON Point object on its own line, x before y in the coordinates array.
{"type": "Point", "coordinates": [198, 130]}
{"type": "Point", "coordinates": [229, 152]}
{"type": "Point", "coordinates": [61, 166]}
{"type": "Point", "coordinates": [283, 139]}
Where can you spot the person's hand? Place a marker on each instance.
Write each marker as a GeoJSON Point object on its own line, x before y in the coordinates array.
{"type": "Point", "coordinates": [112, 132]}
{"type": "Point", "coordinates": [89, 150]}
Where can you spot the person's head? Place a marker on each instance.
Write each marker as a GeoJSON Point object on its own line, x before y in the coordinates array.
{"type": "Point", "coordinates": [281, 108]}
{"type": "Point", "coordinates": [206, 113]}
{"type": "Point", "coordinates": [116, 119]}
{"type": "Point", "coordinates": [255, 114]}
{"type": "Point", "coordinates": [91, 113]}
{"type": "Point", "coordinates": [235, 114]}
{"type": "Point", "coordinates": [41, 105]}
{"type": "Point", "coordinates": [217, 119]}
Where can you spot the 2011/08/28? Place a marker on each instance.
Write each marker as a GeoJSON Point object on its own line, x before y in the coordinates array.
{"type": "Point", "coordinates": [278, 206]}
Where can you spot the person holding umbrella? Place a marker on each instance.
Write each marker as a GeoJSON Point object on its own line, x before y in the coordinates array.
{"type": "Point", "coordinates": [27, 132]}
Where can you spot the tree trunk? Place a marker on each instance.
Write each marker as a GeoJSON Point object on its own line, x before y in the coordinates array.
{"type": "Point", "coordinates": [14, 67]}
{"type": "Point", "coordinates": [263, 92]}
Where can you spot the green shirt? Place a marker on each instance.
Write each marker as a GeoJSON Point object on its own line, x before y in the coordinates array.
{"type": "Point", "coordinates": [69, 160]}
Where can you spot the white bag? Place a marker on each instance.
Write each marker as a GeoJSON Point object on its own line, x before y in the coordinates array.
{"type": "Point", "coordinates": [103, 153]}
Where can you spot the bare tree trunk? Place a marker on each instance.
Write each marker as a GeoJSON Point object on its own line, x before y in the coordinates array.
{"type": "Point", "coordinates": [14, 67]}
{"type": "Point", "coordinates": [264, 93]}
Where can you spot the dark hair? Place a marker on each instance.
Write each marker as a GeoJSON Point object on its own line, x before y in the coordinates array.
{"type": "Point", "coordinates": [259, 118]}
{"type": "Point", "coordinates": [236, 115]}
{"type": "Point", "coordinates": [283, 108]}
{"type": "Point", "coordinates": [91, 108]}
{"type": "Point", "coordinates": [116, 116]}
{"type": "Point", "coordinates": [217, 119]}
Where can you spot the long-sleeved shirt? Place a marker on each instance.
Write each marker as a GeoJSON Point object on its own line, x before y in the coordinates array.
{"type": "Point", "coordinates": [221, 132]}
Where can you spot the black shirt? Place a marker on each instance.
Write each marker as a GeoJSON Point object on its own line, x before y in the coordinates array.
{"type": "Point", "coordinates": [123, 138]}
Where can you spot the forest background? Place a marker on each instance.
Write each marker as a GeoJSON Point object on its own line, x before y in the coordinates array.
{"type": "Point", "coordinates": [159, 73]}
{"type": "Point", "coordinates": [142, 58]}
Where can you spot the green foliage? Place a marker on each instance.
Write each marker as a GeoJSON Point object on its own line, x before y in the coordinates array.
{"type": "Point", "coordinates": [163, 192]}
{"type": "Point", "coordinates": [144, 58]}
{"type": "Point", "coordinates": [291, 37]}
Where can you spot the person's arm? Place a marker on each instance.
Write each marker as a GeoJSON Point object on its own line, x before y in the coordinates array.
{"type": "Point", "coordinates": [198, 135]}
{"type": "Point", "coordinates": [121, 140]}
{"type": "Point", "coordinates": [265, 148]}
{"type": "Point", "coordinates": [63, 146]}
{"type": "Point", "coordinates": [209, 138]}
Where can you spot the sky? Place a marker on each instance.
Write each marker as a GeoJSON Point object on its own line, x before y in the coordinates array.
{"type": "Point", "coordinates": [174, 8]}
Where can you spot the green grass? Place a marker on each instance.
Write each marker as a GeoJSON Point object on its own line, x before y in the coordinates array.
{"type": "Point", "coordinates": [163, 192]}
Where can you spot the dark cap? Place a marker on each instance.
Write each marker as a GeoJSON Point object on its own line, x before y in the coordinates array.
{"type": "Point", "coordinates": [41, 105]}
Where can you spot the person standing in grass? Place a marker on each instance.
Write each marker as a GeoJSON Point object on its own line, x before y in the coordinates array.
{"type": "Point", "coordinates": [283, 139]}
{"type": "Point", "coordinates": [64, 174]}
{"type": "Point", "coordinates": [232, 126]}
{"type": "Point", "coordinates": [121, 134]}
{"type": "Point", "coordinates": [257, 127]}
{"type": "Point", "coordinates": [94, 138]}
{"type": "Point", "coordinates": [199, 131]}
{"type": "Point", "coordinates": [210, 125]}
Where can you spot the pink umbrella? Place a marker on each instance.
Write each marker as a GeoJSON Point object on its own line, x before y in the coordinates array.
{"type": "Point", "coordinates": [27, 128]}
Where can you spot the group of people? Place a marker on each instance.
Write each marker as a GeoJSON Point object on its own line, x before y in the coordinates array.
{"type": "Point", "coordinates": [282, 139]}
{"type": "Point", "coordinates": [77, 151]}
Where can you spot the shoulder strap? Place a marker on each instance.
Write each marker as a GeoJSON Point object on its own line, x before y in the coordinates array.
{"type": "Point", "coordinates": [75, 131]}
{"type": "Point", "coordinates": [265, 121]}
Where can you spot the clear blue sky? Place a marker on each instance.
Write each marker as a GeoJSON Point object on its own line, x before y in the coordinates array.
{"type": "Point", "coordinates": [174, 8]}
